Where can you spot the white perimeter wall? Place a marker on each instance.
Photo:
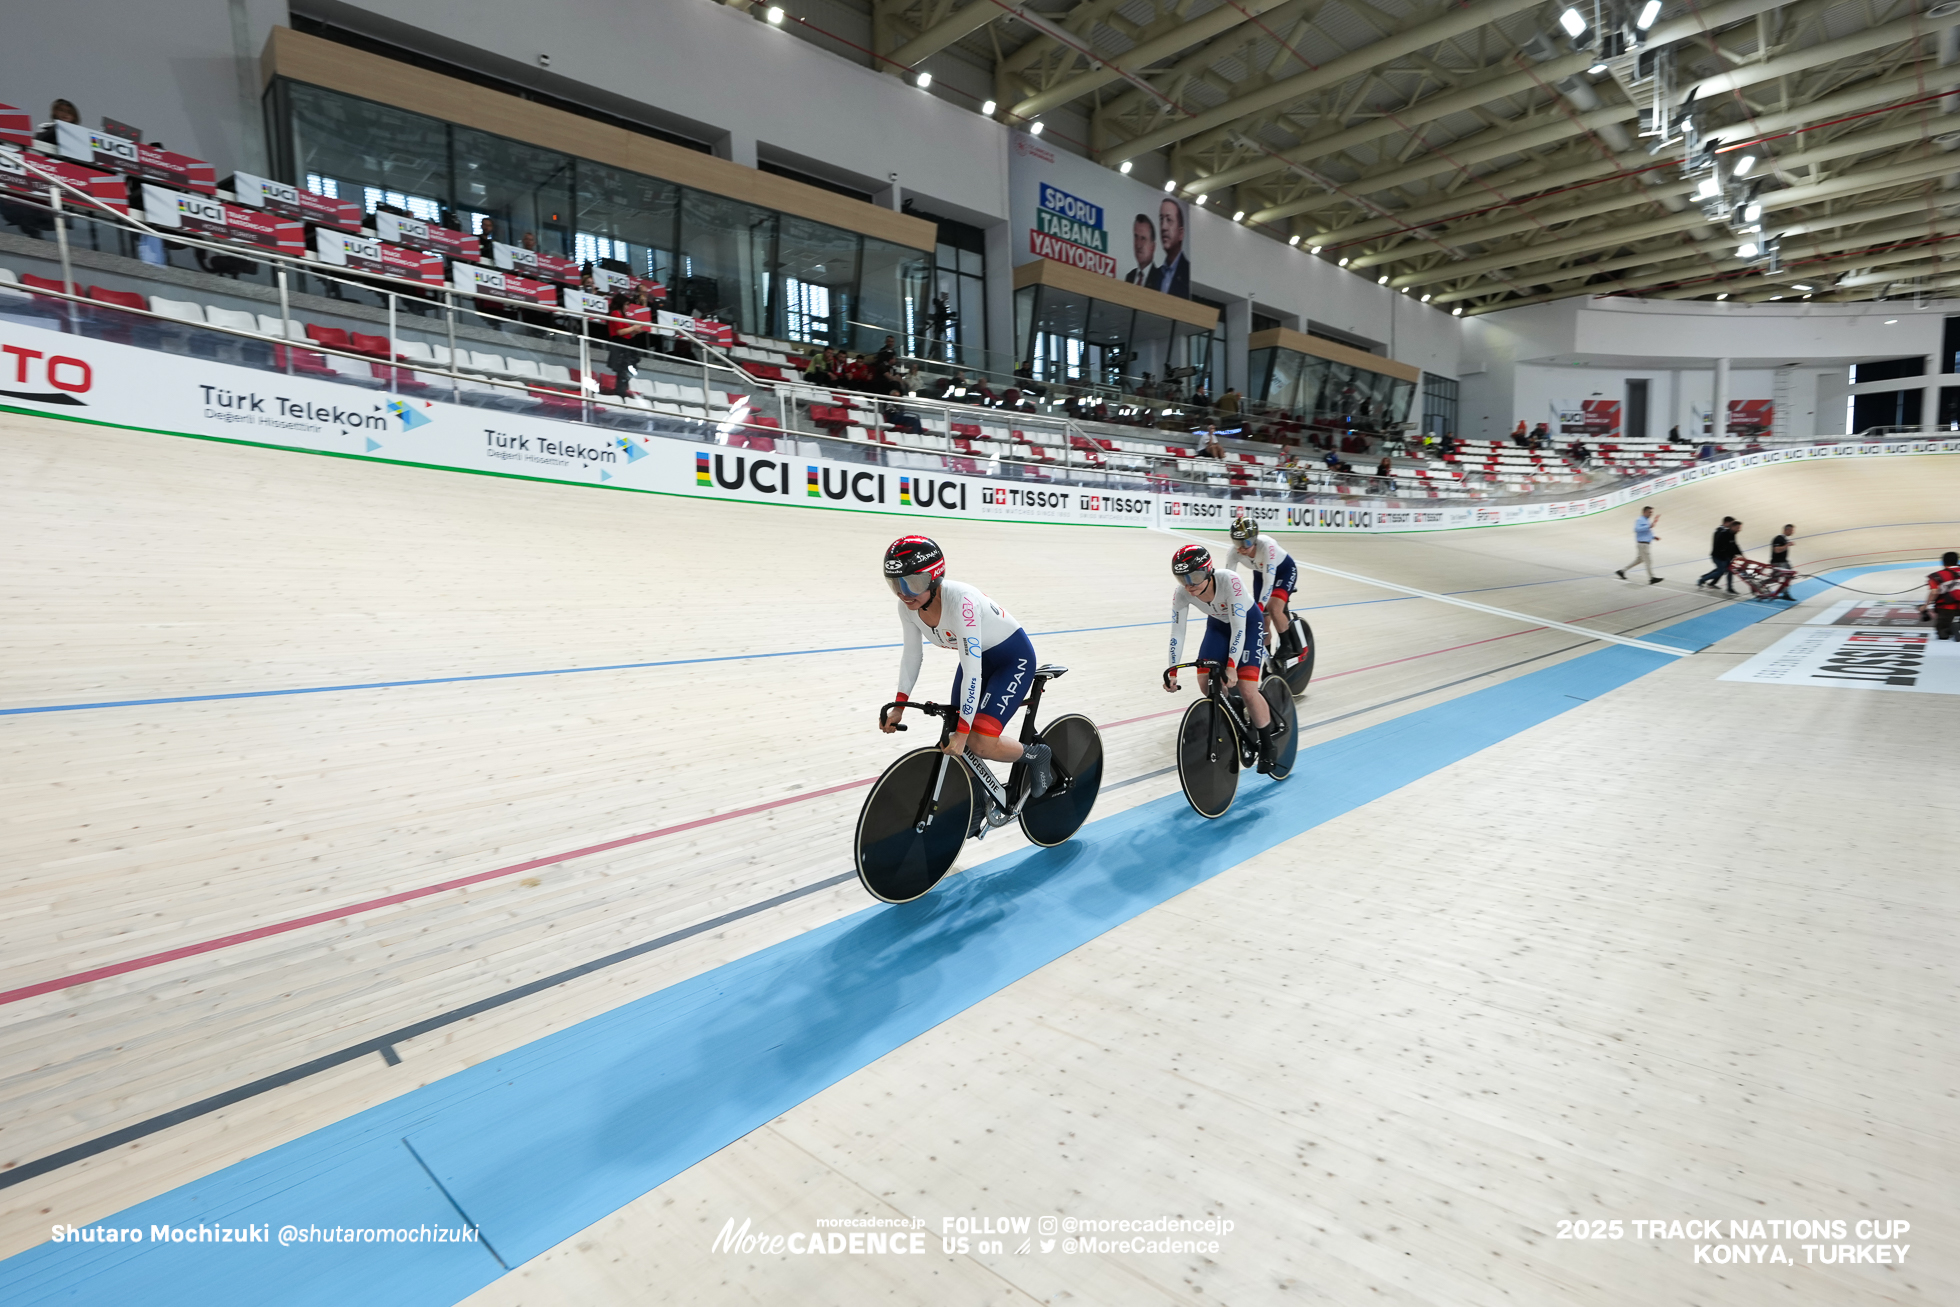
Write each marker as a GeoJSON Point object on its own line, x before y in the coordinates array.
{"type": "Point", "coordinates": [1519, 362]}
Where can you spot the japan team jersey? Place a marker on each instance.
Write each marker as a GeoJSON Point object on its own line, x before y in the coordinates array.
{"type": "Point", "coordinates": [1229, 600]}
{"type": "Point", "coordinates": [969, 624]}
{"type": "Point", "coordinates": [1265, 559]}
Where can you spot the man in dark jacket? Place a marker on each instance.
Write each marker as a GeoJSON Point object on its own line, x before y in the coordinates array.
{"type": "Point", "coordinates": [1723, 552]}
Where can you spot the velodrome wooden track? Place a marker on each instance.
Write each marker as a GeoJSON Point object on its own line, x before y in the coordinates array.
{"type": "Point", "coordinates": [1683, 947]}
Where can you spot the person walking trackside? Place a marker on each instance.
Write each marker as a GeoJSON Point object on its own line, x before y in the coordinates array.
{"type": "Point", "coordinates": [1643, 545]}
{"type": "Point", "coordinates": [1779, 554]}
{"type": "Point", "coordinates": [1943, 597]}
{"type": "Point", "coordinates": [1723, 551]}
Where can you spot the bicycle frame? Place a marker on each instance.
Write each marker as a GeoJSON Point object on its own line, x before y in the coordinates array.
{"type": "Point", "coordinates": [1246, 733]}
{"type": "Point", "coordinates": [998, 811]}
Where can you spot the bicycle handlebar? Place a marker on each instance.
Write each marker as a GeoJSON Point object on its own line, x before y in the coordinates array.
{"type": "Point", "coordinates": [929, 709]}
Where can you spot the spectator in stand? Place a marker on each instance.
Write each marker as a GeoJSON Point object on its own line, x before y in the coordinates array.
{"type": "Point", "coordinates": [486, 236]}
{"type": "Point", "coordinates": [1674, 435]}
{"type": "Point", "coordinates": [1228, 403]}
{"type": "Point", "coordinates": [1146, 388]}
{"type": "Point", "coordinates": [628, 335]}
{"type": "Point", "coordinates": [1332, 460]}
{"type": "Point", "coordinates": [818, 371]}
{"type": "Point", "coordinates": [941, 321]}
{"type": "Point", "coordinates": [1518, 437]}
{"type": "Point", "coordinates": [1722, 551]}
{"type": "Point", "coordinates": [1579, 454]}
{"type": "Point", "coordinates": [1202, 399]}
{"type": "Point", "coordinates": [1707, 454]}
{"type": "Point", "coordinates": [1385, 476]}
{"type": "Point", "coordinates": [887, 355]}
{"type": "Point", "coordinates": [1447, 446]}
{"type": "Point", "coordinates": [1213, 447]}
{"type": "Point", "coordinates": [61, 111]}
{"type": "Point", "coordinates": [1643, 545]}
{"type": "Point", "coordinates": [1541, 436]}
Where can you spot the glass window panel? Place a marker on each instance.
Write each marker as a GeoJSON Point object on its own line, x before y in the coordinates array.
{"type": "Point", "coordinates": [812, 257]}
{"type": "Point", "coordinates": [726, 257]}
{"type": "Point", "coordinates": [972, 264]}
{"type": "Point", "coordinates": [345, 147]}
{"type": "Point", "coordinates": [892, 294]}
{"type": "Point", "coordinates": [625, 210]}
{"type": "Point", "coordinates": [523, 189]}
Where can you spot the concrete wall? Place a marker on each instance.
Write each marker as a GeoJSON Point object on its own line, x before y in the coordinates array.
{"type": "Point", "coordinates": [184, 71]}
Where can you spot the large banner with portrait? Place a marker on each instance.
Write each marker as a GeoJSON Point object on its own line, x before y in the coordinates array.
{"type": "Point", "coordinates": [1079, 213]}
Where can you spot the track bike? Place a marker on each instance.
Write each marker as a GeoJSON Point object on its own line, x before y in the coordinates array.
{"type": "Point", "coordinates": [928, 803]}
{"type": "Point", "coordinates": [1215, 741]}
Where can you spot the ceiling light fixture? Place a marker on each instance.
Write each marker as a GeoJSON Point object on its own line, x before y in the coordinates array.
{"type": "Point", "coordinates": [1425, 299]}
{"type": "Point", "coordinates": [1124, 167]}
{"type": "Point", "coordinates": [1382, 280]}
{"type": "Point", "coordinates": [1457, 312]}
{"type": "Point", "coordinates": [1572, 22]}
{"type": "Point", "coordinates": [1800, 286]}
{"type": "Point", "coordinates": [1745, 165]}
{"type": "Point", "coordinates": [1343, 263]}
{"type": "Point", "coordinates": [1708, 189]}
{"type": "Point", "coordinates": [1034, 128]}
{"type": "Point", "coordinates": [1315, 249]}
{"type": "Point", "coordinates": [988, 108]}
{"type": "Point", "coordinates": [775, 15]}
{"type": "Point", "coordinates": [1170, 184]}
{"type": "Point", "coordinates": [1202, 197]}
{"type": "Point", "coordinates": [1648, 13]}
{"type": "Point", "coordinates": [1776, 297]}
{"type": "Point", "coordinates": [1752, 211]}
{"type": "Point", "coordinates": [1724, 295]}
{"type": "Point", "coordinates": [922, 81]}
{"type": "Point", "coordinates": [1239, 216]}
{"type": "Point", "coordinates": [1746, 250]}
{"type": "Point", "coordinates": [1891, 322]}
{"type": "Point", "coordinates": [1292, 240]}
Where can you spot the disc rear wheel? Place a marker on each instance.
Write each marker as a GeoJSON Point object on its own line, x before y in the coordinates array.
{"type": "Point", "coordinates": [896, 860]}
{"type": "Point", "coordinates": [1279, 700]}
{"type": "Point", "coordinates": [1300, 671]}
{"type": "Point", "coordinates": [1058, 814]}
{"type": "Point", "coordinates": [1208, 758]}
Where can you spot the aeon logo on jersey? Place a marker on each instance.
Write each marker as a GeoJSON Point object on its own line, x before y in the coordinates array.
{"type": "Point", "coordinates": [43, 378]}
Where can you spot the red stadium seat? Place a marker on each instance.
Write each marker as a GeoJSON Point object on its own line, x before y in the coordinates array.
{"type": "Point", "coordinates": [376, 346]}
{"type": "Point", "coordinates": [329, 337]}
{"type": "Point", "coordinates": [122, 299]}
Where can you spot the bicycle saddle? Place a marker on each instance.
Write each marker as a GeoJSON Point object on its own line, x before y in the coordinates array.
{"type": "Point", "coordinates": [1048, 671]}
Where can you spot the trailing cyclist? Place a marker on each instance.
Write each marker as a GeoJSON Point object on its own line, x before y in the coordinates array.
{"type": "Point", "coordinates": [997, 659]}
{"type": "Point", "coordinates": [1274, 576]}
{"type": "Point", "coordinates": [1234, 633]}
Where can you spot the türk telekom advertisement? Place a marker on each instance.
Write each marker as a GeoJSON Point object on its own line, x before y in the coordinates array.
{"type": "Point", "coordinates": [1079, 213]}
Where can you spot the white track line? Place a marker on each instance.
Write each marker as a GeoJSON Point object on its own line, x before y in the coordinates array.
{"type": "Point", "coordinates": [1526, 618]}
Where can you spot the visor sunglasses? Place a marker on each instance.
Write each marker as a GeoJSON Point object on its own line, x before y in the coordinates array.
{"type": "Point", "coordinates": [911, 585]}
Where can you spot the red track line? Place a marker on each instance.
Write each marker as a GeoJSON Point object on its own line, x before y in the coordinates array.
{"type": "Point", "coordinates": [334, 914]}
{"type": "Point", "coordinates": [280, 928]}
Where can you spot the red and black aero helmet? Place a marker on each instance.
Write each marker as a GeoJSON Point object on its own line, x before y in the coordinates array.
{"type": "Point", "coordinates": [914, 566]}
{"type": "Point", "coordinates": [1191, 565]}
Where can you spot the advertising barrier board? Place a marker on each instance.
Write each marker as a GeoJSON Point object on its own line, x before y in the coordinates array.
{"type": "Point", "coordinates": [75, 377]}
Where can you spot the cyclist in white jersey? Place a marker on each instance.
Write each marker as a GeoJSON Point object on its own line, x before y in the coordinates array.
{"type": "Point", "coordinates": [1274, 577]}
{"type": "Point", "coordinates": [997, 659]}
{"type": "Point", "coordinates": [1234, 633]}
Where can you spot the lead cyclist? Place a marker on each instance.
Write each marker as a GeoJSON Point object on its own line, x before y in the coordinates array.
{"type": "Point", "coordinates": [997, 661]}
